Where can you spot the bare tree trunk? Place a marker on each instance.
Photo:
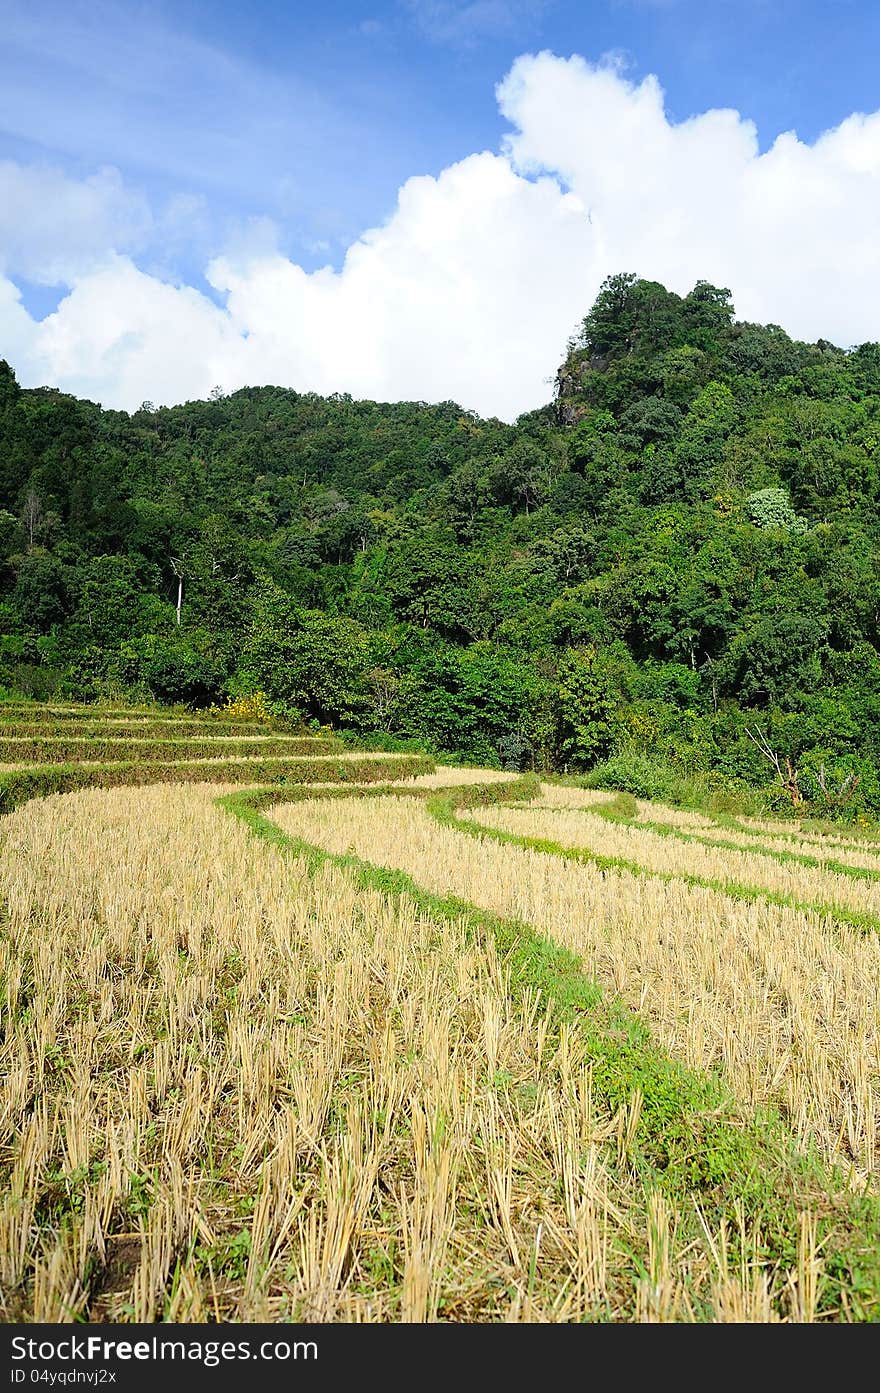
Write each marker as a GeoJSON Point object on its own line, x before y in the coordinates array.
{"type": "Point", "coordinates": [33, 513]}
{"type": "Point", "coordinates": [177, 568]}
{"type": "Point", "coordinates": [789, 777]}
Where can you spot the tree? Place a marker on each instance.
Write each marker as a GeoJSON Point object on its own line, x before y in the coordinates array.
{"type": "Point", "coordinates": [384, 687]}
{"type": "Point", "coordinates": [473, 701]}
{"type": "Point", "coordinates": [772, 508]}
{"type": "Point", "coordinates": [610, 324]}
{"type": "Point", "coordinates": [115, 598]}
{"type": "Point", "coordinates": [522, 476]}
{"type": "Point", "coordinates": [178, 570]}
{"type": "Point", "coordinates": [772, 658]}
{"type": "Point", "coordinates": [426, 579]}
{"type": "Point", "coordinates": [312, 662]}
{"type": "Point", "coordinates": [40, 597]}
{"type": "Point", "coordinates": [586, 709]}
{"type": "Point", "coordinates": [177, 667]}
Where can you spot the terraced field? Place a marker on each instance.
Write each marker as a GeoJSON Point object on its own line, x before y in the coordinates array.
{"type": "Point", "coordinates": [390, 1042]}
{"type": "Point", "coordinates": [59, 749]}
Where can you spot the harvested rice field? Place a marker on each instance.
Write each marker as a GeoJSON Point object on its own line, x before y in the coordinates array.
{"type": "Point", "coordinates": [388, 1041]}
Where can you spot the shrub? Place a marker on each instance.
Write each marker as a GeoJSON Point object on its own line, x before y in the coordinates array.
{"type": "Point", "coordinates": [176, 668]}
{"type": "Point", "coordinates": [246, 706]}
{"type": "Point", "coordinates": [645, 777]}
{"type": "Point", "coordinates": [639, 775]}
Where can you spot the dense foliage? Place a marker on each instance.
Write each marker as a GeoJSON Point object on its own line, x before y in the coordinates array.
{"type": "Point", "coordinates": [682, 545]}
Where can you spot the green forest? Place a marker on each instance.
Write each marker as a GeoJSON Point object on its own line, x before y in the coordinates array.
{"type": "Point", "coordinates": [668, 577]}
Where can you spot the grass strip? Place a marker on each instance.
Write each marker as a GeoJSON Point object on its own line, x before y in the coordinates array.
{"type": "Point", "coordinates": [849, 838]}
{"type": "Point", "coordinates": [38, 711]}
{"type": "Point", "coordinates": [103, 746]}
{"type": "Point", "coordinates": [691, 1140]}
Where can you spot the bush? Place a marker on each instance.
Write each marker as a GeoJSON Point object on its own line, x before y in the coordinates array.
{"type": "Point", "coordinates": [32, 680]}
{"type": "Point", "coordinates": [380, 741]}
{"type": "Point", "coordinates": [653, 779]}
{"type": "Point", "coordinates": [177, 668]}
{"type": "Point", "coordinates": [639, 775]}
{"type": "Point", "coordinates": [586, 708]}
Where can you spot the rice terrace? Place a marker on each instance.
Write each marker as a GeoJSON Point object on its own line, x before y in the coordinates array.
{"type": "Point", "coordinates": [293, 1031]}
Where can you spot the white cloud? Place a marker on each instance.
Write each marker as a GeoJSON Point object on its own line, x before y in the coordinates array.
{"type": "Point", "coordinates": [54, 228]}
{"type": "Point", "coordinates": [466, 22]}
{"type": "Point", "coordinates": [457, 279]}
{"type": "Point", "coordinates": [792, 232]}
{"type": "Point", "coordinates": [122, 336]}
{"type": "Point", "coordinates": [473, 285]}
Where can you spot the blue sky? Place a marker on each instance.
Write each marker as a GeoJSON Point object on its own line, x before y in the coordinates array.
{"type": "Point", "coordinates": [313, 115]}
{"type": "Point", "coordinates": [290, 128]}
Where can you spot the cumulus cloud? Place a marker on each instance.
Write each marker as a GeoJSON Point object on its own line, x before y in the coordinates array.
{"type": "Point", "coordinates": [461, 276]}
{"type": "Point", "coordinates": [793, 231]}
{"type": "Point", "coordinates": [471, 288]}
{"type": "Point", "coordinates": [122, 336]}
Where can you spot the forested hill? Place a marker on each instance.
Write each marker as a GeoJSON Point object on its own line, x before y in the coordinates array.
{"type": "Point", "coordinates": [682, 544]}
